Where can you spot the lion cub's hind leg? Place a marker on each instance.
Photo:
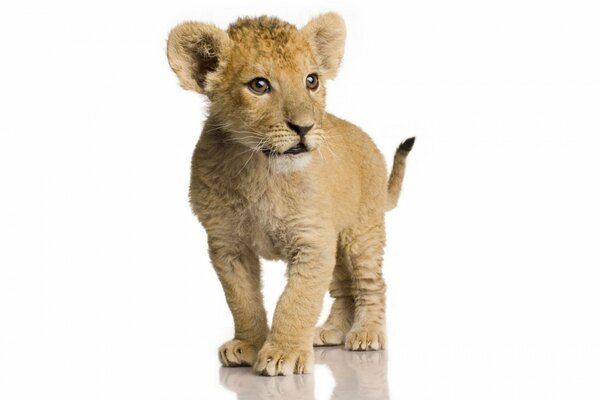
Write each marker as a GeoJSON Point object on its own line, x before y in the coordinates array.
{"type": "Point", "coordinates": [363, 250]}
{"type": "Point", "coordinates": [341, 316]}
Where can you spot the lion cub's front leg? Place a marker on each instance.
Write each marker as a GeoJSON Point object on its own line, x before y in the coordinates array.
{"type": "Point", "coordinates": [239, 272]}
{"type": "Point", "coordinates": [288, 349]}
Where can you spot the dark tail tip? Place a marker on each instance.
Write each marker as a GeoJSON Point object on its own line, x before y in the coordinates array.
{"type": "Point", "coordinates": [407, 145]}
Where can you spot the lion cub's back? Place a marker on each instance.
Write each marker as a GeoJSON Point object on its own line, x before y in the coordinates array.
{"type": "Point", "coordinates": [357, 171]}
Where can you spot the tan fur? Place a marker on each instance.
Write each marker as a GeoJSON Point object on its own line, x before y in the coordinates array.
{"type": "Point", "coordinates": [321, 211]}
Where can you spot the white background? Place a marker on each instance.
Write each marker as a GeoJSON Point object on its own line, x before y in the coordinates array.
{"type": "Point", "coordinates": [492, 262]}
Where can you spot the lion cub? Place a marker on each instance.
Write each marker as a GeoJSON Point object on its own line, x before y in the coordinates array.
{"type": "Point", "coordinates": [275, 176]}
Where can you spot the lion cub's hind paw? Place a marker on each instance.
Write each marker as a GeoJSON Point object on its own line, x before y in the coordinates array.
{"type": "Point", "coordinates": [362, 340]}
{"type": "Point", "coordinates": [328, 337]}
{"type": "Point", "coordinates": [237, 353]}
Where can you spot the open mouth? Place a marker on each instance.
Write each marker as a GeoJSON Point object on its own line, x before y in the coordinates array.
{"type": "Point", "coordinates": [297, 149]}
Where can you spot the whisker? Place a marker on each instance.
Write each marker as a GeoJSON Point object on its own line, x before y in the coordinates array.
{"type": "Point", "coordinates": [321, 154]}
{"type": "Point", "coordinates": [247, 161]}
{"type": "Point", "coordinates": [254, 151]}
{"type": "Point", "coordinates": [328, 146]}
{"type": "Point", "coordinates": [237, 139]}
{"type": "Point", "coordinates": [242, 153]}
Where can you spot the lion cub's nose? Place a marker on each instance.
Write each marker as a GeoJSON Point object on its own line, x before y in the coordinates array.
{"type": "Point", "coordinates": [300, 130]}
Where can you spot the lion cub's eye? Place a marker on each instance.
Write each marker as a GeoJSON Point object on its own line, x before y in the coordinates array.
{"type": "Point", "coordinates": [259, 86]}
{"type": "Point", "coordinates": [312, 81]}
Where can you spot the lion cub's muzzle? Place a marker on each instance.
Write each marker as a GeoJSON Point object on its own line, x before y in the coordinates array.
{"type": "Point", "coordinates": [299, 147]}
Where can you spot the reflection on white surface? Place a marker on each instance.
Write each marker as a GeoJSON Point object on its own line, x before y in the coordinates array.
{"type": "Point", "coordinates": [358, 376]}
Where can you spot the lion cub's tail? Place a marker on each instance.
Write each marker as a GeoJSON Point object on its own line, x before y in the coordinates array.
{"type": "Point", "coordinates": [397, 174]}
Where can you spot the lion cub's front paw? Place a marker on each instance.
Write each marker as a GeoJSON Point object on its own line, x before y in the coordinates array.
{"type": "Point", "coordinates": [237, 353]}
{"type": "Point", "coordinates": [274, 359]}
{"type": "Point", "coordinates": [365, 339]}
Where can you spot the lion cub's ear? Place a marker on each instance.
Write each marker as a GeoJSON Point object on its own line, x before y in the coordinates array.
{"type": "Point", "coordinates": [194, 50]}
{"type": "Point", "coordinates": [327, 36]}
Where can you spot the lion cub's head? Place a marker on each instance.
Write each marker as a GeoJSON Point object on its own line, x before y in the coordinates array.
{"type": "Point", "coordinates": [264, 77]}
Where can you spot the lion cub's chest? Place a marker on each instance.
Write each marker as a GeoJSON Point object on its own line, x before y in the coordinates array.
{"type": "Point", "coordinates": [264, 233]}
